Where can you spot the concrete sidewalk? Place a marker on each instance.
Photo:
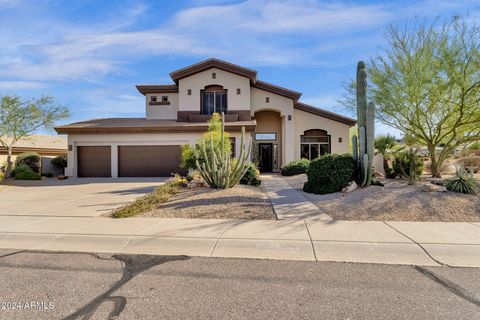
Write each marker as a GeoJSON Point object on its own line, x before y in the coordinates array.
{"type": "Point", "coordinates": [411, 243]}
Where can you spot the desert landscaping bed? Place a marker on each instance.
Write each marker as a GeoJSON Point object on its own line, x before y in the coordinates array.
{"type": "Point", "coordinates": [239, 202]}
{"type": "Point", "coordinates": [396, 201]}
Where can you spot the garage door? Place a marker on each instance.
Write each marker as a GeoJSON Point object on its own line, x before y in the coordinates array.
{"type": "Point", "coordinates": [149, 161]}
{"type": "Point", "coordinates": [94, 161]}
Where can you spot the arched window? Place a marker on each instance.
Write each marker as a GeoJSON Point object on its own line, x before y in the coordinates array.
{"type": "Point", "coordinates": [213, 99]}
{"type": "Point", "coordinates": [314, 143]}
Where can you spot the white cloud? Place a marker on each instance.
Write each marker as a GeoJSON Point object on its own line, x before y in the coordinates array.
{"type": "Point", "coordinates": [253, 32]}
{"type": "Point", "coordinates": [15, 85]}
{"type": "Point", "coordinates": [283, 16]}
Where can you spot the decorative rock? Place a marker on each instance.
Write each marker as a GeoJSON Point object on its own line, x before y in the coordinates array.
{"type": "Point", "coordinates": [352, 186]}
{"type": "Point", "coordinates": [430, 187]}
{"type": "Point", "coordinates": [378, 174]}
{"type": "Point", "coordinates": [196, 184]}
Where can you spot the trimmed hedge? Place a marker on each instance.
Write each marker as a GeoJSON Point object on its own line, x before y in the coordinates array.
{"type": "Point", "coordinates": [251, 176]}
{"type": "Point", "coordinates": [295, 167]}
{"type": "Point", "coordinates": [31, 159]}
{"type": "Point", "coordinates": [330, 173]}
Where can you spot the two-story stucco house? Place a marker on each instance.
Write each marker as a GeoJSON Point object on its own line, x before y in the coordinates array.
{"type": "Point", "coordinates": [283, 129]}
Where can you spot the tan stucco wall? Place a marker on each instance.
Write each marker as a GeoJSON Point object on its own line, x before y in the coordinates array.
{"type": "Point", "coordinates": [305, 121]}
{"type": "Point", "coordinates": [270, 121]}
{"type": "Point", "coordinates": [115, 140]}
{"type": "Point", "coordinates": [227, 80]}
{"type": "Point", "coordinates": [165, 112]}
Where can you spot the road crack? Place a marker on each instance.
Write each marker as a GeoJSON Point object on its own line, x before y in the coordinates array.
{"type": "Point", "coordinates": [421, 247]}
{"type": "Point", "coordinates": [466, 294]}
{"type": "Point", "coordinates": [133, 265]}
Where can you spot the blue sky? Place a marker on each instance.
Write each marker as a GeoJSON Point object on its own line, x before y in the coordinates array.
{"type": "Point", "coordinates": [89, 54]}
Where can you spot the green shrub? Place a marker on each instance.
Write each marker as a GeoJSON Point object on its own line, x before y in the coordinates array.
{"type": "Point", "coordinates": [2, 176]}
{"type": "Point", "coordinates": [330, 173]}
{"type": "Point", "coordinates": [462, 182]}
{"type": "Point", "coordinates": [295, 167]}
{"type": "Point", "coordinates": [401, 159]}
{"type": "Point", "coordinates": [190, 154]}
{"type": "Point", "coordinates": [24, 172]}
{"type": "Point", "coordinates": [31, 159]}
{"type": "Point", "coordinates": [251, 177]}
{"type": "Point", "coordinates": [60, 162]}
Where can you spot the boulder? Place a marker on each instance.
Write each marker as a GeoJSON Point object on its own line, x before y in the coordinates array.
{"type": "Point", "coordinates": [196, 184]}
{"type": "Point", "coordinates": [352, 186]}
{"type": "Point", "coordinates": [378, 174]}
{"type": "Point", "coordinates": [430, 187]}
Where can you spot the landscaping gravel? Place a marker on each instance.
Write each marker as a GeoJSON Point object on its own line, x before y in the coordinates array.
{"type": "Point", "coordinates": [396, 201]}
{"type": "Point", "coordinates": [239, 202]}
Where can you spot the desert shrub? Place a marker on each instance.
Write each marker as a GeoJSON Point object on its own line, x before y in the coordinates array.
{"type": "Point", "coordinates": [190, 154]}
{"type": "Point", "coordinates": [462, 182]}
{"type": "Point", "coordinates": [31, 159]}
{"type": "Point", "coordinates": [295, 167]}
{"type": "Point", "coordinates": [24, 172]}
{"type": "Point", "coordinates": [402, 159]}
{"type": "Point", "coordinates": [151, 200]}
{"type": "Point", "coordinates": [60, 162]}
{"type": "Point", "coordinates": [2, 176]}
{"type": "Point", "coordinates": [330, 173]}
{"type": "Point", "coordinates": [251, 176]}
{"type": "Point", "coordinates": [189, 157]}
{"type": "Point", "coordinates": [470, 161]}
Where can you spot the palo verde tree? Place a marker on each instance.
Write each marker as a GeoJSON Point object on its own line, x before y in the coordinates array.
{"type": "Point", "coordinates": [427, 85]}
{"type": "Point", "coordinates": [21, 118]}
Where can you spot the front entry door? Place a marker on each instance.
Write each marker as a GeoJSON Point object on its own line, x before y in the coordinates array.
{"type": "Point", "coordinates": [266, 159]}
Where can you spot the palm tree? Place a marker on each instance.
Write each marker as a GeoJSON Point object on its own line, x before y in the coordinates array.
{"type": "Point", "coordinates": [384, 144]}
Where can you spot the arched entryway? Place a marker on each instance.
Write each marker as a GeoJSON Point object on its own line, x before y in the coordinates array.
{"type": "Point", "coordinates": [268, 140]}
{"type": "Point", "coordinates": [315, 143]}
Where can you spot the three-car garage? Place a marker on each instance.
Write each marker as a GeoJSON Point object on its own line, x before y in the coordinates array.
{"type": "Point", "coordinates": [131, 161]}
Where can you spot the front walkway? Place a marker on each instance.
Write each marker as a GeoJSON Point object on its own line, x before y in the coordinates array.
{"type": "Point", "coordinates": [288, 203]}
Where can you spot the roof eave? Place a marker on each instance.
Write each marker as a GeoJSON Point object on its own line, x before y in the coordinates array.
{"type": "Point", "coordinates": [325, 114]}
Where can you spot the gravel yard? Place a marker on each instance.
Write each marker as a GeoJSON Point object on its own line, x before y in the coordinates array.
{"type": "Point", "coordinates": [239, 202]}
{"type": "Point", "coordinates": [396, 201]}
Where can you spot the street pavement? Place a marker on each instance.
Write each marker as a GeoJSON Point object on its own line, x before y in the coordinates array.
{"type": "Point", "coordinates": [90, 286]}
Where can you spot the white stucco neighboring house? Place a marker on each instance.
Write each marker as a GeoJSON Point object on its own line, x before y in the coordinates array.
{"type": "Point", "coordinates": [283, 128]}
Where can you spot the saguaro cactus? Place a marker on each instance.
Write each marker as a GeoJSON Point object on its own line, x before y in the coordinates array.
{"type": "Point", "coordinates": [363, 146]}
{"type": "Point", "coordinates": [218, 169]}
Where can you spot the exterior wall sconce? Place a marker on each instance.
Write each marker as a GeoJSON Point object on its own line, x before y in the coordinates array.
{"type": "Point", "coordinates": [289, 117]}
{"type": "Point", "coordinates": [189, 92]}
{"type": "Point", "coordinates": [70, 147]}
{"type": "Point", "coordinates": [340, 140]}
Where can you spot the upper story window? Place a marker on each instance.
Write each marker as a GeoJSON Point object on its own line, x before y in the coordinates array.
{"type": "Point", "coordinates": [153, 98]}
{"type": "Point", "coordinates": [213, 99]}
{"type": "Point", "coordinates": [164, 98]}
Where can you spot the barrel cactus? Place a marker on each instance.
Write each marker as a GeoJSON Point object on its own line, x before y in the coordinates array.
{"type": "Point", "coordinates": [218, 168]}
{"type": "Point", "coordinates": [363, 145]}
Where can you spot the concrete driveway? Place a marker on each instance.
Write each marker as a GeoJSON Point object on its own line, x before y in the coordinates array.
{"type": "Point", "coordinates": [85, 197]}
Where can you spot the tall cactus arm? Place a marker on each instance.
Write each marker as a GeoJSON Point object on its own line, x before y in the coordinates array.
{"type": "Point", "coordinates": [355, 148]}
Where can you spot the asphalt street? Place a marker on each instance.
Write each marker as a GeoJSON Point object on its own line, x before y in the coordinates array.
{"type": "Point", "coordinates": [46, 285]}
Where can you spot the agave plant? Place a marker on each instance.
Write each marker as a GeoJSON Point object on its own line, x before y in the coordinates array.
{"type": "Point", "coordinates": [463, 182]}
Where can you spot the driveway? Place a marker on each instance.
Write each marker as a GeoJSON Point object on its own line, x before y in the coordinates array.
{"type": "Point", "coordinates": [85, 197]}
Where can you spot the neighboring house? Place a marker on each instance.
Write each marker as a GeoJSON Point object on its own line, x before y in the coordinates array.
{"type": "Point", "coordinates": [47, 146]}
{"type": "Point", "coordinates": [283, 129]}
